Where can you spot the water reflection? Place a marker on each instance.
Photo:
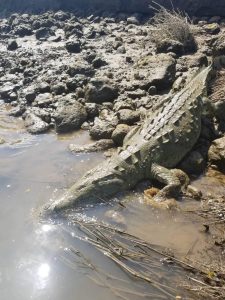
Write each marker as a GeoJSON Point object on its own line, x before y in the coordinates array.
{"type": "Point", "coordinates": [43, 275]}
{"type": "Point", "coordinates": [46, 228]}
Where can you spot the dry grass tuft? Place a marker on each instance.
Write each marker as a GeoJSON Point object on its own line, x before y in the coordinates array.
{"type": "Point", "coordinates": [172, 25]}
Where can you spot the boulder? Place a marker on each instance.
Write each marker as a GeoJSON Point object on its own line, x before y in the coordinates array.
{"type": "Point", "coordinates": [119, 133]}
{"type": "Point", "coordinates": [73, 29]}
{"type": "Point", "coordinates": [219, 110]}
{"type": "Point", "coordinates": [6, 90]}
{"type": "Point", "coordinates": [69, 117]}
{"type": "Point", "coordinates": [219, 45]}
{"type": "Point", "coordinates": [43, 87]}
{"type": "Point", "coordinates": [61, 15]}
{"type": "Point", "coordinates": [73, 46]}
{"type": "Point", "coordinates": [44, 33]}
{"type": "Point", "coordinates": [12, 45]}
{"type": "Point", "coordinates": [43, 100]}
{"type": "Point", "coordinates": [216, 153]}
{"type": "Point", "coordinates": [213, 28]}
{"type": "Point", "coordinates": [133, 20]}
{"type": "Point", "coordinates": [99, 91]}
{"type": "Point", "coordinates": [166, 46]}
{"type": "Point", "coordinates": [158, 70]}
{"type": "Point", "coordinates": [17, 111]}
{"type": "Point", "coordinates": [23, 30]}
{"type": "Point", "coordinates": [102, 129]}
{"type": "Point", "coordinates": [34, 124]}
{"type": "Point", "coordinates": [193, 163]}
{"type": "Point", "coordinates": [98, 62]}
{"type": "Point", "coordinates": [78, 68]}
{"type": "Point", "coordinates": [30, 94]}
{"type": "Point", "coordinates": [92, 110]}
{"type": "Point", "coordinates": [128, 116]}
{"type": "Point", "coordinates": [58, 88]}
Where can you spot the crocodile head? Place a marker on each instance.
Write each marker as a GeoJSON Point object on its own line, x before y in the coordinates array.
{"type": "Point", "coordinates": [96, 186]}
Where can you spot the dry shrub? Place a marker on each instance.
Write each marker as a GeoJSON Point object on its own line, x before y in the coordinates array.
{"type": "Point", "coordinates": [172, 25]}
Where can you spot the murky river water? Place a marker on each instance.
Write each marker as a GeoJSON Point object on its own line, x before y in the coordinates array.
{"type": "Point", "coordinates": [34, 169]}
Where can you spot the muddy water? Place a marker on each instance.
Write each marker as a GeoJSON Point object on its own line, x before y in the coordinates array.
{"type": "Point", "coordinates": [34, 169]}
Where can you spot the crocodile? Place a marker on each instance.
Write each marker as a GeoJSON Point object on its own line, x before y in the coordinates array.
{"type": "Point", "coordinates": [149, 151]}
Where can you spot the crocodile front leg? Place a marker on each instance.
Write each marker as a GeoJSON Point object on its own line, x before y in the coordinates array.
{"type": "Point", "coordinates": [169, 178]}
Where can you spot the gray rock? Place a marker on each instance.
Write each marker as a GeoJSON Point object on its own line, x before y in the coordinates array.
{"type": "Point", "coordinates": [121, 50]}
{"type": "Point", "coordinates": [219, 110]}
{"type": "Point", "coordinates": [158, 70]}
{"type": "Point", "coordinates": [73, 29]}
{"type": "Point", "coordinates": [69, 117]}
{"type": "Point", "coordinates": [12, 45]}
{"type": "Point", "coordinates": [137, 94]}
{"type": "Point", "coordinates": [92, 110]}
{"type": "Point", "coordinates": [61, 16]}
{"type": "Point", "coordinates": [73, 46]}
{"type": "Point", "coordinates": [6, 90]}
{"type": "Point", "coordinates": [123, 104]}
{"type": "Point", "coordinates": [198, 60]}
{"type": "Point", "coordinates": [219, 45]}
{"type": "Point", "coordinates": [23, 30]}
{"type": "Point", "coordinates": [79, 68]}
{"type": "Point", "coordinates": [166, 46]}
{"type": "Point", "coordinates": [119, 133]}
{"type": "Point", "coordinates": [43, 100]}
{"type": "Point", "coordinates": [43, 113]}
{"type": "Point", "coordinates": [71, 84]}
{"type": "Point", "coordinates": [30, 94]}
{"type": "Point", "coordinates": [193, 163]}
{"type": "Point", "coordinates": [213, 28]}
{"type": "Point", "coordinates": [17, 111]}
{"type": "Point", "coordinates": [102, 129]}
{"type": "Point", "coordinates": [98, 62]}
{"type": "Point", "coordinates": [99, 91]}
{"type": "Point", "coordinates": [58, 88]}
{"type": "Point", "coordinates": [127, 116]}
{"type": "Point", "coordinates": [216, 153]}
{"type": "Point", "coordinates": [193, 192]}
{"type": "Point", "coordinates": [44, 33]}
{"type": "Point", "coordinates": [35, 124]}
{"type": "Point", "coordinates": [43, 87]}
{"type": "Point", "coordinates": [133, 20]}
{"type": "Point", "coordinates": [80, 94]}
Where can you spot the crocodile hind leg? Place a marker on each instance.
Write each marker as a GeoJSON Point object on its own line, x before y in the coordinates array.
{"type": "Point", "coordinates": [171, 180]}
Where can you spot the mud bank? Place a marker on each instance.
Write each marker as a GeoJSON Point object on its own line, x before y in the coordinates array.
{"type": "Point", "coordinates": [197, 7]}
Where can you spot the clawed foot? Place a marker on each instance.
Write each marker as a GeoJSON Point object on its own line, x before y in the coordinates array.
{"type": "Point", "coordinates": [154, 197]}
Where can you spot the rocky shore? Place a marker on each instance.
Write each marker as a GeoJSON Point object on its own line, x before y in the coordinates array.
{"type": "Point", "coordinates": [61, 72]}
{"type": "Point", "coordinates": [103, 74]}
